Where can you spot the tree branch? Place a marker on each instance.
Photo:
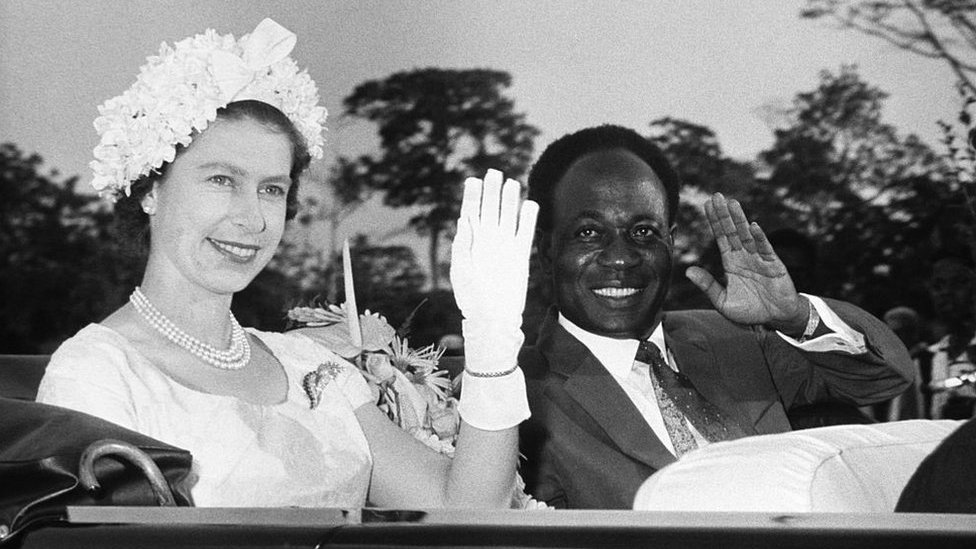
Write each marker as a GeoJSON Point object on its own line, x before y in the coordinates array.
{"type": "Point", "coordinates": [957, 66]}
{"type": "Point", "coordinates": [965, 28]}
{"type": "Point", "coordinates": [925, 43]}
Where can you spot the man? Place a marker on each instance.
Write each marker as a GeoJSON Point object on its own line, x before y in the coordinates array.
{"type": "Point", "coordinates": [951, 286]}
{"type": "Point", "coordinates": [907, 325]}
{"type": "Point", "coordinates": [602, 421]}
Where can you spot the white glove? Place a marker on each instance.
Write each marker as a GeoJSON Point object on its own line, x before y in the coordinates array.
{"type": "Point", "coordinates": [490, 270]}
{"type": "Point", "coordinates": [490, 273]}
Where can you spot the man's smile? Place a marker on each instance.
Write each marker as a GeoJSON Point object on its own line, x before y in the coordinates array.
{"type": "Point", "coordinates": [616, 293]}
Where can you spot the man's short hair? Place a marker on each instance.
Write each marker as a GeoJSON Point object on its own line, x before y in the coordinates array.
{"type": "Point", "coordinates": [560, 155]}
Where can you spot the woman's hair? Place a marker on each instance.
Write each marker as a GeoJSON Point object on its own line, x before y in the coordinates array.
{"type": "Point", "coordinates": [132, 224]}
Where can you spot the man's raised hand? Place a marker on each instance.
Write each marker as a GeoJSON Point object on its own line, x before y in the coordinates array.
{"type": "Point", "coordinates": [758, 288]}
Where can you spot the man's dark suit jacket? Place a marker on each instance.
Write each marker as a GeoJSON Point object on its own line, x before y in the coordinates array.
{"type": "Point", "coordinates": [586, 444]}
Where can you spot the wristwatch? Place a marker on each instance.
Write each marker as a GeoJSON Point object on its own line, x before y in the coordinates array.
{"type": "Point", "coordinates": [813, 320]}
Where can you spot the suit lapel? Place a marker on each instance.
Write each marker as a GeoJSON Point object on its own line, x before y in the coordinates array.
{"type": "Point", "coordinates": [594, 390]}
{"type": "Point", "coordinates": [694, 357]}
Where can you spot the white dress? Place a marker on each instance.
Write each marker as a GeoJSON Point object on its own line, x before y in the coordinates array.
{"type": "Point", "coordinates": [244, 454]}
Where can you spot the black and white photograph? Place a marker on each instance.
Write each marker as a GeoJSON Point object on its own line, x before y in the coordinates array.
{"type": "Point", "coordinates": [434, 273]}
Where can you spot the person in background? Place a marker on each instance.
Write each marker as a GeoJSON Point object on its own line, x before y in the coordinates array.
{"type": "Point", "coordinates": [907, 324]}
{"type": "Point", "coordinates": [202, 156]}
{"type": "Point", "coordinates": [951, 287]}
{"type": "Point", "coordinates": [617, 387]}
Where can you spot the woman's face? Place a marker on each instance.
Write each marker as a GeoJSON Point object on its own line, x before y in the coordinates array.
{"type": "Point", "coordinates": [220, 210]}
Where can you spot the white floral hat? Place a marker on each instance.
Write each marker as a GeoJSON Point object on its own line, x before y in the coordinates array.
{"type": "Point", "coordinates": [179, 91]}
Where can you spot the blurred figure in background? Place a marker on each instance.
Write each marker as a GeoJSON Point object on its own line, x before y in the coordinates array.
{"type": "Point", "coordinates": [951, 285]}
{"type": "Point", "coordinates": [912, 404]}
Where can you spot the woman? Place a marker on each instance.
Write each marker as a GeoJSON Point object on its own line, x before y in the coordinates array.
{"type": "Point", "coordinates": [205, 150]}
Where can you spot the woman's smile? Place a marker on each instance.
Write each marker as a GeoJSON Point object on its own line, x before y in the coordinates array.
{"type": "Point", "coordinates": [237, 252]}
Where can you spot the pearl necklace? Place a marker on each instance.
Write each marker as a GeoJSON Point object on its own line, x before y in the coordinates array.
{"type": "Point", "coordinates": [233, 358]}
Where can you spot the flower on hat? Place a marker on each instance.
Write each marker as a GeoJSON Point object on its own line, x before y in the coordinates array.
{"type": "Point", "coordinates": [179, 91]}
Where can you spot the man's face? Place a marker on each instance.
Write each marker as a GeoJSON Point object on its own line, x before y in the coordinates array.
{"type": "Point", "coordinates": [609, 253]}
{"type": "Point", "coordinates": [951, 287]}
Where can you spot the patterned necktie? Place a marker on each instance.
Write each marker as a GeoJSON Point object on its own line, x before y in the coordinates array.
{"type": "Point", "coordinates": [679, 400]}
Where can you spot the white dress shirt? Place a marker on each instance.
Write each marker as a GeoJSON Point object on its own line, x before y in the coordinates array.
{"type": "Point", "coordinates": [945, 366]}
{"type": "Point", "coordinates": [617, 356]}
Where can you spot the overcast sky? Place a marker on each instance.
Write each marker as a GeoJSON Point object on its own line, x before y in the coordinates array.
{"type": "Point", "coordinates": [573, 63]}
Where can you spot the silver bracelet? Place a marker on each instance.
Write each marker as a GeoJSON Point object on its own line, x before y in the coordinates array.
{"type": "Point", "coordinates": [491, 374]}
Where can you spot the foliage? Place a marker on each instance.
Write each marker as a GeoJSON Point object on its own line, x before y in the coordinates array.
{"type": "Point", "coordinates": [347, 182]}
{"type": "Point", "coordinates": [943, 30]}
{"type": "Point", "coordinates": [936, 29]}
{"type": "Point", "coordinates": [875, 202]}
{"type": "Point", "coordinates": [870, 197]}
{"type": "Point", "coordinates": [696, 155]}
{"type": "Point", "coordinates": [959, 140]}
{"type": "Point", "coordinates": [960, 144]}
{"type": "Point", "coordinates": [58, 267]}
{"type": "Point", "coordinates": [387, 277]}
{"type": "Point", "coordinates": [436, 127]}
{"type": "Point", "coordinates": [263, 303]}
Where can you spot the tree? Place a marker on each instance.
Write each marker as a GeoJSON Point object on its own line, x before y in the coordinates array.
{"type": "Point", "coordinates": [936, 29]}
{"type": "Point", "coordinates": [388, 278]}
{"type": "Point", "coordinates": [59, 265]}
{"type": "Point", "coordinates": [350, 187]}
{"type": "Point", "coordinates": [695, 153]}
{"type": "Point", "coordinates": [436, 127]}
{"type": "Point", "coordinates": [697, 156]}
{"type": "Point", "coordinates": [873, 199]}
{"type": "Point", "coordinates": [313, 270]}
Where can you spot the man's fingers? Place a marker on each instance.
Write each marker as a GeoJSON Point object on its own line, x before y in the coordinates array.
{"type": "Point", "coordinates": [706, 283]}
{"type": "Point", "coordinates": [742, 231]}
{"type": "Point", "coordinates": [713, 223]}
{"type": "Point", "coordinates": [763, 246]}
{"type": "Point", "coordinates": [724, 219]}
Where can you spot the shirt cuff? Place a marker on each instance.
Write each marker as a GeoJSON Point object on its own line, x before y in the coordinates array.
{"type": "Point", "coordinates": [493, 403]}
{"type": "Point", "coordinates": [843, 338]}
